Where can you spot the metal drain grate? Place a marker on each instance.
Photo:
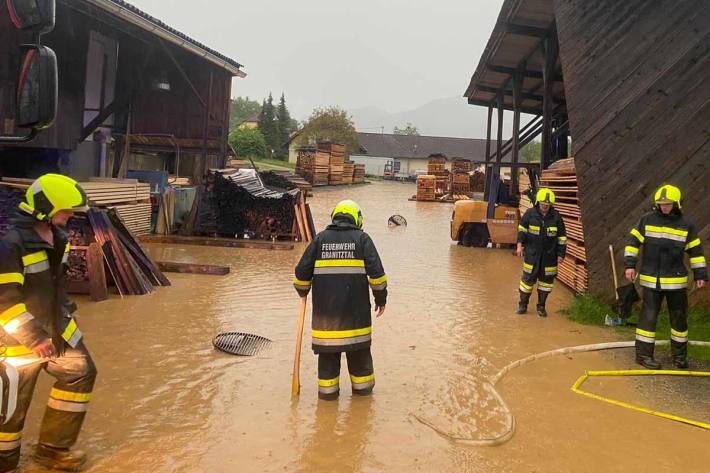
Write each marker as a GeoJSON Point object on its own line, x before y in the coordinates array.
{"type": "Point", "coordinates": [238, 343]}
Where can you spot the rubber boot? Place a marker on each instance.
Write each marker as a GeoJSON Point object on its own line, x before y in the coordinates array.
{"type": "Point", "coordinates": [679, 350]}
{"type": "Point", "coordinates": [329, 396]}
{"type": "Point", "coordinates": [644, 355]}
{"type": "Point", "coordinates": [523, 304]}
{"type": "Point", "coordinates": [541, 299]}
{"type": "Point", "coordinates": [59, 458]}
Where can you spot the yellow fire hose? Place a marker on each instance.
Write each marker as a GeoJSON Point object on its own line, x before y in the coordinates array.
{"type": "Point", "coordinates": [587, 374]}
{"type": "Point", "coordinates": [506, 435]}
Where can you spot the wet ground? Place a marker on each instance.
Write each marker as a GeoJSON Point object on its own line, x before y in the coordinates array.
{"type": "Point", "coordinates": [165, 401]}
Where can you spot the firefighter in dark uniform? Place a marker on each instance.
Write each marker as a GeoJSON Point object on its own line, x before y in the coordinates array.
{"type": "Point", "coordinates": [341, 264]}
{"type": "Point", "coordinates": [38, 329]}
{"type": "Point", "coordinates": [665, 235]}
{"type": "Point", "coordinates": [542, 239]}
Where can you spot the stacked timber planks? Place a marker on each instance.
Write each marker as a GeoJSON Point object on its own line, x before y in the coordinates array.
{"type": "Point", "coordinates": [524, 186]}
{"type": "Point", "coordinates": [105, 192]}
{"type": "Point", "coordinates": [437, 167]}
{"type": "Point", "coordinates": [426, 188]}
{"type": "Point", "coordinates": [348, 172]}
{"type": "Point", "coordinates": [336, 163]}
{"type": "Point", "coordinates": [460, 165]}
{"type": "Point", "coordinates": [461, 183]}
{"type": "Point", "coordinates": [135, 216]}
{"type": "Point", "coordinates": [313, 166]}
{"type": "Point", "coordinates": [561, 178]}
{"type": "Point", "coordinates": [359, 174]}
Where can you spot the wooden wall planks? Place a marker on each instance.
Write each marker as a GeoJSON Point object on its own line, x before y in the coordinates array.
{"type": "Point", "coordinates": [637, 82]}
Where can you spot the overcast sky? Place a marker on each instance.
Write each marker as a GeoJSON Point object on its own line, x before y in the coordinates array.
{"type": "Point", "coordinates": [392, 54]}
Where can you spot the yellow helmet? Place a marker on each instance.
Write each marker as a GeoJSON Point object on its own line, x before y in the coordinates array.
{"type": "Point", "coordinates": [668, 194]}
{"type": "Point", "coordinates": [545, 195]}
{"type": "Point", "coordinates": [53, 193]}
{"type": "Point", "coordinates": [350, 208]}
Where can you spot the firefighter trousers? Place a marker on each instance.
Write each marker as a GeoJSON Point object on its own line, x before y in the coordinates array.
{"type": "Point", "coordinates": [362, 375]}
{"type": "Point", "coordinates": [646, 330]}
{"type": "Point", "coordinates": [544, 287]}
{"type": "Point", "coordinates": [75, 374]}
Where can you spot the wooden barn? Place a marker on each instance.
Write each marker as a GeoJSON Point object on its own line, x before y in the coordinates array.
{"type": "Point", "coordinates": [629, 82]}
{"type": "Point", "coordinates": [134, 93]}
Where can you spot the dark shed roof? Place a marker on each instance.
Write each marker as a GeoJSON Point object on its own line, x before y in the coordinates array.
{"type": "Point", "coordinates": [127, 11]}
{"type": "Point", "coordinates": [412, 146]}
{"type": "Point", "coordinates": [521, 27]}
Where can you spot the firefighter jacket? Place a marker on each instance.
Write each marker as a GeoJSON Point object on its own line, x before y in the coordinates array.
{"type": "Point", "coordinates": [664, 240]}
{"type": "Point", "coordinates": [340, 264]}
{"type": "Point", "coordinates": [33, 302]}
{"type": "Point", "coordinates": [544, 239]}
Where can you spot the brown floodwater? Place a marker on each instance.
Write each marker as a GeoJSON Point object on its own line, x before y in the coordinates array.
{"type": "Point", "coordinates": [165, 401]}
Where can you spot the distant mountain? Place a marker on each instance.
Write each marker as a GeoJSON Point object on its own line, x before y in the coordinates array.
{"type": "Point", "coordinates": [451, 116]}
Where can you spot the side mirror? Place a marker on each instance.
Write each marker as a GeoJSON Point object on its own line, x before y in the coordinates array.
{"type": "Point", "coordinates": [37, 91]}
{"type": "Point", "coordinates": [35, 15]}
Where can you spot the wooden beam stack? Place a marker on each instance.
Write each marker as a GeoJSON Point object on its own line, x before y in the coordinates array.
{"type": "Point", "coordinates": [359, 174]}
{"type": "Point", "coordinates": [426, 188]}
{"type": "Point", "coordinates": [313, 165]}
{"type": "Point", "coordinates": [348, 172]}
{"type": "Point", "coordinates": [336, 152]}
{"type": "Point", "coordinates": [460, 165]}
{"type": "Point", "coordinates": [461, 183]}
{"type": "Point", "coordinates": [437, 167]}
{"type": "Point", "coordinates": [523, 186]}
{"type": "Point", "coordinates": [561, 178]}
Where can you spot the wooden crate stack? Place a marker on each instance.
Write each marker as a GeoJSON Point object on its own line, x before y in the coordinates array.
{"type": "Point", "coordinates": [313, 165]}
{"type": "Point", "coordinates": [461, 183]}
{"type": "Point", "coordinates": [359, 174]}
{"type": "Point", "coordinates": [348, 172]}
{"type": "Point", "coordinates": [561, 178]}
{"type": "Point", "coordinates": [336, 153]}
{"type": "Point", "coordinates": [426, 188]}
{"type": "Point", "coordinates": [437, 167]}
{"type": "Point", "coordinates": [460, 165]}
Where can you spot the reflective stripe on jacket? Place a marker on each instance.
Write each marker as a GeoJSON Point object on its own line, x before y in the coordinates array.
{"type": "Point", "coordinates": [664, 240]}
{"type": "Point", "coordinates": [341, 265]}
{"type": "Point", "coordinates": [31, 287]}
{"type": "Point", "coordinates": [544, 239]}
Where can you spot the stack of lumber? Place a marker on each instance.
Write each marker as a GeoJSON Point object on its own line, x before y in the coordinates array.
{"type": "Point", "coordinates": [524, 187]}
{"type": "Point", "coordinates": [461, 183]}
{"type": "Point", "coordinates": [129, 266]}
{"type": "Point", "coordinates": [359, 174]}
{"type": "Point", "coordinates": [426, 188]}
{"type": "Point", "coordinates": [313, 165]}
{"type": "Point", "coordinates": [235, 203]}
{"type": "Point", "coordinates": [348, 172]}
{"type": "Point", "coordinates": [336, 152]}
{"type": "Point", "coordinates": [136, 217]}
{"type": "Point", "coordinates": [561, 178]}
{"type": "Point", "coordinates": [437, 167]}
{"type": "Point", "coordinates": [478, 181]}
{"type": "Point", "coordinates": [460, 165]}
{"type": "Point", "coordinates": [285, 180]}
{"type": "Point", "coordinates": [104, 192]}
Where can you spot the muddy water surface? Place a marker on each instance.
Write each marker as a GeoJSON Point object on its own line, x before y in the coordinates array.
{"type": "Point", "coordinates": [166, 402]}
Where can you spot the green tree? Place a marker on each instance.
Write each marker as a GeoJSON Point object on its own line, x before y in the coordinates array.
{"type": "Point", "coordinates": [329, 124]}
{"type": "Point", "coordinates": [242, 109]}
{"type": "Point", "coordinates": [268, 125]}
{"type": "Point", "coordinates": [407, 130]}
{"type": "Point", "coordinates": [531, 152]}
{"type": "Point", "coordinates": [284, 128]}
{"type": "Point", "coordinates": [248, 142]}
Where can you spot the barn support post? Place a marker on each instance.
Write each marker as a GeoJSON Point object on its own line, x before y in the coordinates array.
{"type": "Point", "coordinates": [517, 88]}
{"type": "Point", "coordinates": [550, 50]}
{"type": "Point", "coordinates": [486, 189]}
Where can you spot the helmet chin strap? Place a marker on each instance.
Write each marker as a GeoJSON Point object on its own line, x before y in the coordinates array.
{"type": "Point", "coordinates": [34, 213]}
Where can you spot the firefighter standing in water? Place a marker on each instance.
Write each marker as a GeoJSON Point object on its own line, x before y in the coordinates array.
{"type": "Point", "coordinates": [38, 329]}
{"type": "Point", "coordinates": [340, 264]}
{"type": "Point", "coordinates": [542, 239]}
{"type": "Point", "coordinates": [664, 234]}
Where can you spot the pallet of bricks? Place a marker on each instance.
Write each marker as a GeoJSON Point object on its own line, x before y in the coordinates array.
{"type": "Point", "coordinates": [426, 188]}
{"type": "Point", "coordinates": [348, 172]}
{"type": "Point", "coordinates": [437, 167]}
{"type": "Point", "coordinates": [337, 161]}
{"type": "Point", "coordinates": [561, 178]}
{"type": "Point", "coordinates": [359, 174]}
{"type": "Point", "coordinates": [313, 165]}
